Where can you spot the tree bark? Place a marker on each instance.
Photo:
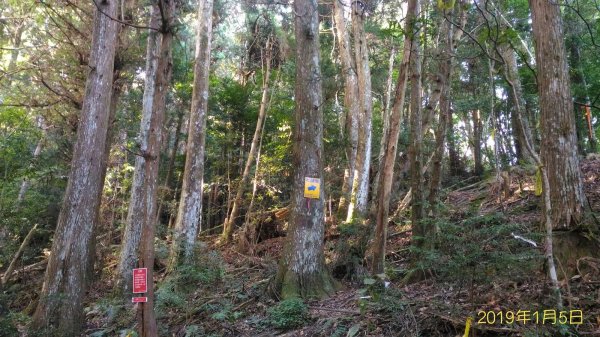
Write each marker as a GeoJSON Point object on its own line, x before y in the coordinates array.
{"type": "Point", "coordinates": [450, 40]}
{"type": "Point", "coordinates": [61, 298]}
{"type": "Point", "coordinates": [559, 141]}
{"type": "Point", "coordinates": [302, 270]}
{"type": "Point", "coordinates": [359, 196]}
{"type": "Point", "coordinates": [578, 78]}
{"type": "Point", "coordinates": [386, 124]}
{"type": "Point", "coordinates": [521, 129]}
{"type": "Point", "coordinates": [351, 103]}
{"type": "Point", "coordinates": [36, 153]}
{"type": "Point", "coordinates": [190, 204]}
{"type": "Point", "coordinates": [477, 133]}
{"type": "Point", "coordinates": [420, 233]}
{"type": "Point", "coordinates": [262, 113]}
{"type": "Point", "coordinates": [138, 241]}
{"type": "Point", "coordinates": [170, 168]}
{"type": "Point", "coordinates": [389, 158]}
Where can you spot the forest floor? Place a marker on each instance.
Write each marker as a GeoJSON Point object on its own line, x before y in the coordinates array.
{"type": "Point", "coordinates": [483, 271]}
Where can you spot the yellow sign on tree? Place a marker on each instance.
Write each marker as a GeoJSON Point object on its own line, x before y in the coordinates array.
{"type": "Point", "coordinates": [312, 188]}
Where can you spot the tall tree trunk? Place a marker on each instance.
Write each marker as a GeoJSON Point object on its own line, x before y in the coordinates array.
{"type": "Point", "coordinates": [521, 129]}
{"type": "Point", "coordinates": [262, 113]}
{"type": "Point", "coordinates": [416, 139]}
{"type": "Point", "coordinates": [190, 204]}
{"type": "Point", "coordinates": [389, 158]}
{"type": "Point", "coordinates": [138, 241]}
{"type": "Point", "coordinates": [559, 143]}
{"type": "Point", "coordinates": [302, 270]}
{"type": "Point", "coordinates": [170, 167]}
{"type": "Point", "coordinates": [351, 103]}
{"type": "Point", "coordinates": [477, 133]}
{"type": "Point", "coordinates": [360, 186]}
{"type": "Point", "coordinates": [386, 124]}
{"type": "Point", "coordinates": [36, 153]}
{"type": "Point", "coordinates": [12, 65]}
{"type": "Point", "coordinates": [248, 238]}
{"type": "Point", "coordinates": [578, 78]}
{"type": "Point", "coordinates": [450, 38]}
{"type": "Point", "coordinates": [454, 161]}
{"type": "Point", "coordinates": [61, 298]}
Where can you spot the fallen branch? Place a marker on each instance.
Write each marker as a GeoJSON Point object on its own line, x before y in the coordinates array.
{"type": "Point", "coordinates": [13, 263]}
{"type": "Point", "coordinates": [353, 312]}
{"type": "Point", "coordinates": [41, 265]}
{"type": "Point", "coordinates": [518, 237]}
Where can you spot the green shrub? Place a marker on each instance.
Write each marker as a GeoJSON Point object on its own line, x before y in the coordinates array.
{"type": "Point", "coordinates": [479, 247]}
{"type": "Point", "coordinates": [7, 327]}
{"type": "Point", "coordinates": [289, 314]}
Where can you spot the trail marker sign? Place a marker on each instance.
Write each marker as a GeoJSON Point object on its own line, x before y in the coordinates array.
{"type": "Point", "coordinates": [140, 280]}
{"type": "Point", "coordinates": [312, 188]}
{"type": "Point", "coordinates": [139, 299]}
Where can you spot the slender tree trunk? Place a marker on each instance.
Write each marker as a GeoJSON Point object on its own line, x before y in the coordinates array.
{"type": "Point", "coordinates": [359, 196]}
{"type": "Point", "coordinates": [351, 103]}
{"type": "Point", "coordinates": [477, 133]}
{"type": "Point", "coordinates": [559, 143]}
{"type": "Point", "coordinates": [578, 78]}
{"type": "Point", "coordinates": [138, 242]}
{"type": "Point", "coordinates": [302, 270]}
{"type": "Point", "coordinates": [190, 205]}
{"type": "Point", "coordinates": [61, 298]}
{"type": "Point", "coordinates": [262, 114]}
{"type": "Point", "coordinates": [450, 38]}
{"type": "Point", "coordinates": [12, 65]}
{"type": "Point", "coordinates": [386, 124]}
{"type": "Point", "coordinates": [248, 239]}
{"type": "Point", "coordinates": [453, 156]}
{"type": "Point", "coordinates": [389, 158]}
{"type": "Point", "coordinates": [511, 73]}
{"type": "Point", "coordinates": [36, 153]}
{"type": "Point", "coordinates": [170, 167]}
{"type": "Point", "coordinates": [416, 138]}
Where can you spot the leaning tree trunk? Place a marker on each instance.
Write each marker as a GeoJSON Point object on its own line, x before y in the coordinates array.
{"type": "Point", "coordinates": [351, 104]}
{"type": "Point", "coordinates": [302, 270]}
{"type": "Point", "coordinates": [138, 242]}
{"type": "Point", "coordinates": [360, 185]}
{"type": "Point", "coordinates": [190, 204]}
{"type": "Point", "coordinates": [61, 299]}
{"type": "Point", "coordinates": [389, 158]}
{"type": "Point", "coordinates": [262, 113]}
{"type": "Point", "coordinates": [559, 141]}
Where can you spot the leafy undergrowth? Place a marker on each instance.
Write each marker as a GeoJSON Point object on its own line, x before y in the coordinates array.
{"type": "Point", "coordinates": [484, 260]}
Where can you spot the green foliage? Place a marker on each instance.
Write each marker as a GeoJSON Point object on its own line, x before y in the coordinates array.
{"type": "Point", "coordinates": [377, 295]}
{"type": "Point", "coordinates": [169, 296]}
{"type": "Point", "coordinates": [481, 248]}
{"type": "Point", "coordinates": [289, 314]}
{"type": "Point", "coordinates": [8, 326]}
{"type": "Point", "coordinates": [350, 250]}
{"type": "Point", "coordinates": [194, 331]}
{"type": "Point", "coordinates": [206, 270]}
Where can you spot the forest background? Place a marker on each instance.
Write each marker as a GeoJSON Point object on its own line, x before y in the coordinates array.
{"type": "Point", "coordinates": [451, 144]}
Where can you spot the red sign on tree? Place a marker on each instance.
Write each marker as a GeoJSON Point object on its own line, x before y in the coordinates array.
{"type": "Point", "coordinates": [140, 280]}
{"type": "Point", "coordinates": [139, 300]}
